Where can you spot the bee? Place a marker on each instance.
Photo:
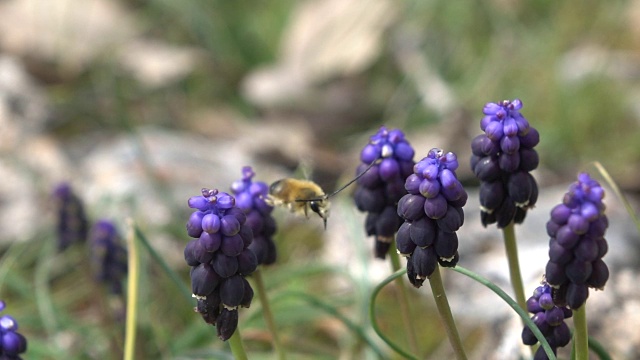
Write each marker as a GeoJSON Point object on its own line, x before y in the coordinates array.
{"type": "Point", "coordinates": [301, 195]}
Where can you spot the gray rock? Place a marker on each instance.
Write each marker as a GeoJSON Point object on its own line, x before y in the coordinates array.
{"type": "Point", "coordinates": [30, 160]}
{"type": "Point", "coordinates": [23, 106]}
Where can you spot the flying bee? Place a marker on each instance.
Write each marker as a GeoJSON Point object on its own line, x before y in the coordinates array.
{"type": "Point", "coordinates": [301, 195]}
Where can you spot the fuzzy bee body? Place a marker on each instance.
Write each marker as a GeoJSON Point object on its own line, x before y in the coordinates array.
{"type": "Point", "coordinates": [299, 196]}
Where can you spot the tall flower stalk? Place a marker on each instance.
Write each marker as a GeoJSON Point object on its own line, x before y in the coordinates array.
{"type": "Point", "coordinates": [502, 158]}
{"type": "Point", "coordinates": [387, 160]}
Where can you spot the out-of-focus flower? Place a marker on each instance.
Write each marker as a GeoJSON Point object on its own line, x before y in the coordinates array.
{"type": "Point", "coordinates": [72, 226]}
{"type": "Point", "coordinates": [250, 197]}
{"type": "Point", "coordinates": [577, 228]}
{"type": "Point", "coordinates": [502, 158]}
{"type": "Point", "coordinates": [432, 213]}
{"type": "Point", "coordinates": [108, 255]}
{"type": "Point", "coordinates": [220, 259]}
{"type": "Point", "coordinates": [379, 190]}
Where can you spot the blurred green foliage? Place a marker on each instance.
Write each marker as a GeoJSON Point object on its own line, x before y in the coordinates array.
{"type": "Point", "coordinates": [485, 51]}
{"type": "Point", "coordinates": [489, 51]}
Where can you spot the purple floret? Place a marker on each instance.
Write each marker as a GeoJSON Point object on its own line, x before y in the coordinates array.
{"type": "Point", "coordinates": [12, 343]}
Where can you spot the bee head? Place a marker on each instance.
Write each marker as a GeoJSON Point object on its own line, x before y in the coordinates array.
{"type": "Point", "coordinates": [320, 207]}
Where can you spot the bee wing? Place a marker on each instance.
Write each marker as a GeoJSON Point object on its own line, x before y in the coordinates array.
{"type": "Point", "coordinates": [305, 169]}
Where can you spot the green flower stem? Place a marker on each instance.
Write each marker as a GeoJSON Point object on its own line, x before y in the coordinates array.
{"type": "Point", "coordinates": [42, 292]}
{"type": "Point", "coordinates": [9, 258]}
{"type": "Point", "coordinates": [440, 297]}
{"type": "Point", "coordinates": [333, 311]}
{"type": "Point", "coordinates": [514, 264]}
{"type": "Point", "coordinates": [523, 313]}
{"type": "Point", "coordinates": [132, 293]}
{"type": "Point", "coordinates": [184, 289]}
{"type": "Point", "coordinates": [580, 336]}
{"type": "Point", "coordinates": [268, 314]}
{"type": "Point", "coordinates": [237, 349]}
{"type": "Point", "coordinates": [598, 349]}
{"type": "Point", "coordinates": [403, 301]}
{"type": "Point", "coordinates": [616, 190]}
{"type": "Point", "coordinates": [372, 314]}
{"type": "Point", "coordinates": [235, 342]}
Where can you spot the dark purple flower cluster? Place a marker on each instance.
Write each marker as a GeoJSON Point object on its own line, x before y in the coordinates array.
{"type": "Point", "coordinates": [250, 197]}
{"type": "Point", "coordinates": [549, 318]}
{"type": "Point", "coordinates": [577, 245]}
{"type": "Point", "coordinates": [432, 211]}
{"type": "Point", "coordinates": [72, 226]}
{"type": "Point", "coordinates": [502, 158]}
{"type": "Point", "coordinates": [108, 256]}
{"type": "Point", "coordinates": [220, 259]}
{"type": "Point", "coordinates": [12, 343]}
{"type": "Point", "coordinates": [379, 190]}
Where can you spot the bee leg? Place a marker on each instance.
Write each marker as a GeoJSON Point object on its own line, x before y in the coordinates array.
{"type": "Point", "coordinates": [290, 207]}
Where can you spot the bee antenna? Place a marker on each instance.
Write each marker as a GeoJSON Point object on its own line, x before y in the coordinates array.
{"type": "Point", "coordinates": [354, 180]}
{"type": "Point", "coordinates": [325, 197]}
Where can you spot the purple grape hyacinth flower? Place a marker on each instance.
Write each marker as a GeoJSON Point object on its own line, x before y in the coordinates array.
{"type": "Point", "coordinates": [72, 226]}
{"type": "Point", "coordinates": [220, 259]}
{"type": "Point", "coordinates": [108, 255]}
{"type": "Point", "coordinates": [250, 197]}
{"type": "Point", "coordinates": [432, 213]}
{"type": "Point", "coordinates": [502, 158]}
{"type": "Point", "coordinates": [379, 190]}
{"type": "Point", "coordinates": [12, 343]}
{"type": "Point", "coordinates": [577, 245]}
{"type": "Point", "coordinates": [549, 318]}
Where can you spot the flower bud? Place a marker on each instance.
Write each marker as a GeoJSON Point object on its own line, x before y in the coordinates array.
{"type": "Point", "coordinates": [12, 343]}
{"type": "Point", "coordinates": [204, 280]}
{"type": "Point", "coordinates": [227, 323]}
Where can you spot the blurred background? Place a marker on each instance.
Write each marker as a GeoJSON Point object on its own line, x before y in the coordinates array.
{"type": "Point", "coordinates": [138, 104]}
